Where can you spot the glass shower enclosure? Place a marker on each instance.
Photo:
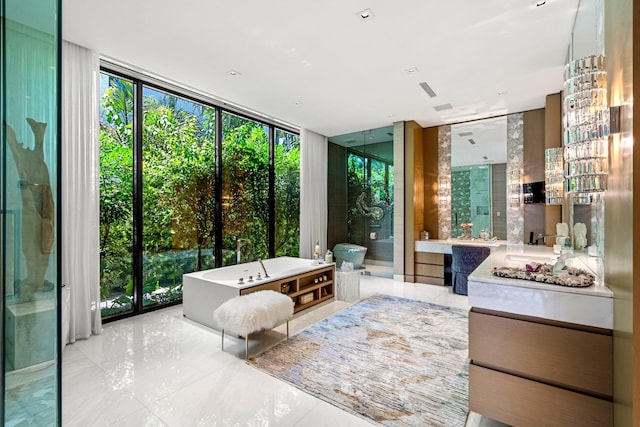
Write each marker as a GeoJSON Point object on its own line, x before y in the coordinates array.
{"type": "Point", "coordinates": [361, 177]}
{"type": "Point", "coordinates": [29, 252]}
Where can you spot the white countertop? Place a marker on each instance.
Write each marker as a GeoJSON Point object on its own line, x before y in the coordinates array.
{"type": "Point", "coordinates": [591, 306]}
{"type": "Point", "coordinates": [444, 246]}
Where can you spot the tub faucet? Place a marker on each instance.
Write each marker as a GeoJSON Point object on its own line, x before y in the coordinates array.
{"type": "Point", "coordinates": [544, 237]}
{"type": "Point", "coordinates": [265, 270]}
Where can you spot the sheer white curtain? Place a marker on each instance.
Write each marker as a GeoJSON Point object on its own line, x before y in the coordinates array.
{"type": "Point", "coordinates": [80, 192]}
{"type": "Point", "coordinates": [314, 152]}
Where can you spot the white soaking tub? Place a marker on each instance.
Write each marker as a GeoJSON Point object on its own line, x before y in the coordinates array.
{"type": "Point", "coordinates": [204, 291]}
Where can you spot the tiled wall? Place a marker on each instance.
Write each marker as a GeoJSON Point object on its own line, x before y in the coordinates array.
{"type": "Point", "coordinates": [444, 170]}
{"type": "Point", "coordinates": [499, 200]}
{"type": "Point", "coordinates": [337, 195]}
{"type": "Point", "coordinates": [460, 200]}
{"type": "Point", "coordinates": [515, 159]}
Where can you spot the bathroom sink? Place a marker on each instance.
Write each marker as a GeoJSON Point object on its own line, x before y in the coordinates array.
{"type": "Point", "coordinates": [529, 259]}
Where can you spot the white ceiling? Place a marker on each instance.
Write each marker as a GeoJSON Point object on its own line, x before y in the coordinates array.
{"type": "Point", "coordinates": [317, 65]}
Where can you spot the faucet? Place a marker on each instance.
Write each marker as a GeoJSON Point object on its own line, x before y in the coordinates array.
{"type": "Point", "coordinates": [265, 270]}
{"type": "Point", "coordinates": [544, 237]}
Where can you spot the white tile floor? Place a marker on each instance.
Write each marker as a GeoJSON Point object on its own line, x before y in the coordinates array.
{"type": "Point", "coordinates": [160, 369]}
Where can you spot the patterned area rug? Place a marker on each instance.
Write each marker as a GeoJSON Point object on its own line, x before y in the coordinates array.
{"type": "Point", "coordinates": [395, 361]}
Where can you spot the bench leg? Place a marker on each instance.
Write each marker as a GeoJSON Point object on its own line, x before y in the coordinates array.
{"type": "Point", "coordinates": [222, 347]}
{"type": "Point", "coordinates": [287, 329]}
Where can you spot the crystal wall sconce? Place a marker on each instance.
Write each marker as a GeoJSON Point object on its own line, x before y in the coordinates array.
{"type": "Point", "coordinates": [515, 189]}
{"type": "Point", "coordinates": [444, 192]}
{"type": "Point", "coordinates": [554, 176]}
{"type": "Point", "coordinates": [586, 125]}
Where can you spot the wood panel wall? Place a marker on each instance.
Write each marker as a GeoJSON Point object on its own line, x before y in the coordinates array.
{"type": "Point", "coordinates": [636, 216]}
{"type": "Point", "coordinates": [622, 206]}
{"type": "Point", "coordinates": [430, 154]}
{"type": "Point", "coordinates": [552, 139]}
{"type": "Point", "coordinates": [534, 134]}
{"type": "Point", "coordinates": [414, 194]}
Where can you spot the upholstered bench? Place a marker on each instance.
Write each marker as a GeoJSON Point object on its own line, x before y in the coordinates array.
{"type": "Point", "coordinates": [254, 312]}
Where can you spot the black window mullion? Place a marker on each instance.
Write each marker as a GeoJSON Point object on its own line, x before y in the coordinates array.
{"type": "Point", "coordinates": [138, 266]}
{"type": "Point", "coordinates": [217, 249]}
{"type": "Point", "coordinates": [272, 195]}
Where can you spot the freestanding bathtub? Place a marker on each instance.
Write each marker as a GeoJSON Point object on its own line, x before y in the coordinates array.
{"type": "Point", "coordinates": [204, 291]}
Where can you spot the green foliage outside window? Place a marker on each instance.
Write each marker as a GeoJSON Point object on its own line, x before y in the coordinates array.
{"type": "Point", "coordinates": [178, 200]}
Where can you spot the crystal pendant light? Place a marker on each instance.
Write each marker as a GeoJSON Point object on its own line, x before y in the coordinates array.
{"type": "Point", "coordinates": [554, 176]}
{"type": "Point", "coordinates": [586, 125]}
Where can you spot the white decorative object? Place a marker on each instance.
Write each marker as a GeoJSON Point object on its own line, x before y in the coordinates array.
{"type": "Point", "coordinates": [579, 236]}
{"type": "Point", "coordinates": [257, 311]}
{"type": "Point", "coordinates": [562, 233]}
{"type": "Point", "coordinates": [348, 286]}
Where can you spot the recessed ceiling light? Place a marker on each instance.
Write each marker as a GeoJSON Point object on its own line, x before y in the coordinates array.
{"type": "Point", "coordinates": [299, 102]}
{"type": "Point", "coordinates": [471, 141]}
{"type": "Point", "coordinates": [233, 73]}
{"type": "Point", "coordinates": [366, 14]}
{"type": "Point", "coordinates": [412, 70]}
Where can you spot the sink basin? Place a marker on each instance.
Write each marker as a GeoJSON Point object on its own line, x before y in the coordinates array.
{"type": "Point", "coordinates": [529, 259]}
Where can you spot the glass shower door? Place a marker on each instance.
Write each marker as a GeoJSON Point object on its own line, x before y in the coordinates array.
{"type": "Point", "coordinates": [29, 179]}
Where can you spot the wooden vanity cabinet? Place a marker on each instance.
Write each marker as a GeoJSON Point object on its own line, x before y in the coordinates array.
{"type": "Point", "coordinates": [430, 268]}
{"type": "Point", "coordinates": [528, 371]}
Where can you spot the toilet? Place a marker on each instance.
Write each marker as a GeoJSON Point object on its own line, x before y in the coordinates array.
{"type": "Point", "coordinates": [349, 252]}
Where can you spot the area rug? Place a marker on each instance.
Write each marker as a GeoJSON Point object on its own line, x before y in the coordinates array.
{"type": "Point", "coordinates": [395, 361]}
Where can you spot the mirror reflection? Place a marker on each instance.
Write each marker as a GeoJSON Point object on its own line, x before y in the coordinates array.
{"type": "Point", "coordinates": [478, 177]}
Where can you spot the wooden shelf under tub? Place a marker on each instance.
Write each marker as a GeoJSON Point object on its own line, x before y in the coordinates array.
{"type": "Point", "coordinates": [306, 289]}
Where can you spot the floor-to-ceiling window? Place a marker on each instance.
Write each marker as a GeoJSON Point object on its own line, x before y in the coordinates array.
{"type": "Point", "coordinates": [245, 189]}
{"type": "Point", "coordinates": [287, 193]}
{"type": "Point", "coordinates": [178, 203]}
{"type": "Point", "coordinates": [116, 195]}
{"type": "Point", "coordinates": [186, 186]}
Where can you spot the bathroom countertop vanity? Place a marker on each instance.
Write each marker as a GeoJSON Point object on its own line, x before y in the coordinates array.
{"type": "Point", "coordinates": [540, 354]}
{"type": "Point", "coordinates": [432, 258]}
{"type": "Point", "coordinates": [444, 246]}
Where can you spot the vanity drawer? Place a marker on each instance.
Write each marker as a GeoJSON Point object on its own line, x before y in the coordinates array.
{"type": "Point", "coordinates": [429, 270]}
{"type": "Point", "coordinates": [429, 258]}
{"type": "Point", "coordinates": [521, 402]}
{"type": "Point", "coordinates": [557, 354]}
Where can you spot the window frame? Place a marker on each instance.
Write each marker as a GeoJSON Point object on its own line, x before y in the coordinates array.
{"type": "Point", "coordinates": [140, 81]}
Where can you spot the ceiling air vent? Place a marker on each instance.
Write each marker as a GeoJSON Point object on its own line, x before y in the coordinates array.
{"type": "Point", "coordinates": [465, 134]}
{"type": "Point", "coordinates": [471, 141]}
{"type": "Point", "coordinates": [443, 107]}
{"type": "Point", "coordinates": [428, 89]}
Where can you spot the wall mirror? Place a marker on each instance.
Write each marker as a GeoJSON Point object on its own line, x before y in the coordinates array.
{"type": "Point", "coordinates": [478, 176]}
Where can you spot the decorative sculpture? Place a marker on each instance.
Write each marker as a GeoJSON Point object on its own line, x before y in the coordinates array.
{"type": "Point", "coordinates": [374, 212]}
{"type": "Point", "coordinates": [579, 236]}
{"type": "Point", "coordinates": [466, 229]}
{"type": "Point", "coordinates": [38, 207]}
